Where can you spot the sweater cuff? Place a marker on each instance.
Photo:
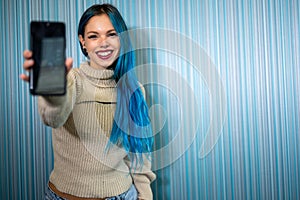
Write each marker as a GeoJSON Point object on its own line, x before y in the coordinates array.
{"type": "Point", "coordinates": [144, 191]}
{"type": "Point", "coordinates": [52, 100]}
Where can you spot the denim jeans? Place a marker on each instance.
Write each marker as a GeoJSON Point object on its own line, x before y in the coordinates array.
{"type": "Point", "coordinates": [130, 194]}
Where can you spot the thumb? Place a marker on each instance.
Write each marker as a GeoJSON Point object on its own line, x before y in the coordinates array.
{"type": "Point", "coordinates": [69, 63]}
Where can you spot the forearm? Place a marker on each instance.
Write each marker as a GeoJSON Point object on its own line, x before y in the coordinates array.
{"type": "Point", "coordinates": [142, 178]}
{"type": "Point", "coordinates": [55, 110]}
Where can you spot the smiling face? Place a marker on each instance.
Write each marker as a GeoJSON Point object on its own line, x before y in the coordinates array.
{"type": "Point", "coordinates": [101, 42]}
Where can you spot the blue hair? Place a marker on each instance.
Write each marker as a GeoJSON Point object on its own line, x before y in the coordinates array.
{"type": "Point", "coordinates": [131, 127]}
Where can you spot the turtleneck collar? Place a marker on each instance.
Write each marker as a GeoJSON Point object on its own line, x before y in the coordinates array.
{"type": "Point", "coordinates": [99, 74]}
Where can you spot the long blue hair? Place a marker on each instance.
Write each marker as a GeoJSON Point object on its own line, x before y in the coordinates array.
{"type": "Point", "coordinates": [131, 127]}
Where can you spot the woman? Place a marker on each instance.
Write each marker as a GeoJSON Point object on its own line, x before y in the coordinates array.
{"type": "Point", "coordinates": [100, 149]}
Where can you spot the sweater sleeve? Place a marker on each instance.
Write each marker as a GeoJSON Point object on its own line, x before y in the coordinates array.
{"type": "Point", "coordinates": [55, 110]}
{"type": "Point", "coordinates": [142, 176]}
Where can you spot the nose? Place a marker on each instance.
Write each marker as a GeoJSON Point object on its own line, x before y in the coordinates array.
{"type": "Point", "coordinates": [103, 41]}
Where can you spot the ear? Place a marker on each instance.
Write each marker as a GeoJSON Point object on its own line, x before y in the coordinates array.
{"type": "Point", "coordinates": [82, 41]}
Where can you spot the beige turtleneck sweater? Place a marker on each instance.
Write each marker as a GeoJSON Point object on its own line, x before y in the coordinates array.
{"type": "Point", "coordinates": [81, 122]}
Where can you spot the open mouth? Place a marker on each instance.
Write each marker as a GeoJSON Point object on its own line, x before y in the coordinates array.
{"type": "Point", "coordinates": [104, 54]}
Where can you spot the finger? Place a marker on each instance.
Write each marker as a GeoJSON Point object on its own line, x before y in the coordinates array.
{"type": "Point", "coordinates": [27, 54]}
{"type": "Point", "coordinates": [24, 77]}
{"type": "Point", "coordinates": [27, 65]}
{"type": "Point", "coordinates": [69, 63]}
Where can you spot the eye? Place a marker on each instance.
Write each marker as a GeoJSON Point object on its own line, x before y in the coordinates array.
{"type": "Point", "coordinates": [92, 36]}
{"type": "Point", "coordinates": [112, 34]}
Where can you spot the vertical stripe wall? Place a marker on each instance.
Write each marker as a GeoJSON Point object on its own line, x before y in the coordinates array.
{"type": "Point", "coordinates": [222, 82]}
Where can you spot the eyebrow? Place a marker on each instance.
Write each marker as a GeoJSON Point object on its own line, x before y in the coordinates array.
{"type": "Point", "coordinates": [95, 32]}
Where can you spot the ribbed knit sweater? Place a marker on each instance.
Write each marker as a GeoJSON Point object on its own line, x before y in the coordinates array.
{"type": "Point", "coordinates": [82, 121]}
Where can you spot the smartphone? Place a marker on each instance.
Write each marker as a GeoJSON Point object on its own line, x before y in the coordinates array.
{"type": "Point", "coordinates": [48, 44]}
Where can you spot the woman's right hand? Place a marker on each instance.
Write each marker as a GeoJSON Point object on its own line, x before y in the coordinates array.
{"type": "Point", "coordinates": [29, 62]}
{"type": "Point", "coordinates": [27, 65]}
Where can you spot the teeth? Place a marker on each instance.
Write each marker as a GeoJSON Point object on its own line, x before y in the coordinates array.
{"type": "Point", "coordinates": [106, 53]}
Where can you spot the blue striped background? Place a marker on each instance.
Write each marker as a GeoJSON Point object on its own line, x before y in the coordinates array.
{"type": "Point", "coordinates": [255, 48]}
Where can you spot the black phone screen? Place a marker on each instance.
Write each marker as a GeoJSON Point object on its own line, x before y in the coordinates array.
{"type": "Point", "coordinates": [47, 76]}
